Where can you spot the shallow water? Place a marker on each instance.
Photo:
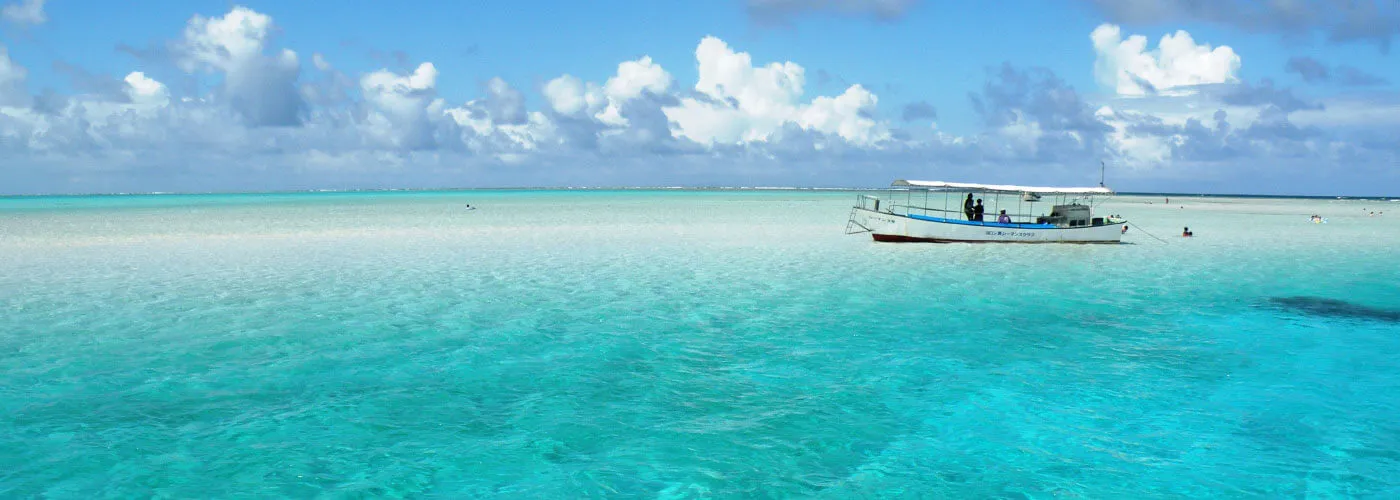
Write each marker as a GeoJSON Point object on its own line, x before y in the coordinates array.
{"type": "Point", "coordinates": [686, 344]}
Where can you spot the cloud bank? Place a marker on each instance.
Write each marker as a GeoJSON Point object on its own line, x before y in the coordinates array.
{"type": "Point", "coordinates": [1179, 117]}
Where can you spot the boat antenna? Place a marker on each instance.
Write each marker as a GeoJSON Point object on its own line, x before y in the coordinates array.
{"type": "Point", "coordinates": [1101, 169]}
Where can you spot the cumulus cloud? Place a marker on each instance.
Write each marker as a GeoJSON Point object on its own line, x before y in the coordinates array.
{"type": "Point", "coordinates": [144, 90]}
{"type": "Point", "coordinates": [403, 109]}
{"type": "Point", "coordinates": [25, 12]}
{"type": "Point", "coordinates": [1371, 21]}
{"type": "Point", "coordinates": [783, 10]}
{"type": "Point", "coordinates": [736, 102]}
{"type": "Point", "coordinates": [633, 79]}
{"type": "Point", "coordinates": [568, 95]}
{"type": "Point", "coordinates": [260, 87]}
{"type": "Point", "coordinates": [1127, 66]}
{"type": "Point", "coordinates": [623, 112]}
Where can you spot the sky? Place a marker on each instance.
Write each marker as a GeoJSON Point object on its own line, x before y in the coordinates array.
{"type": "Point", "coordinates": [1285, 97]}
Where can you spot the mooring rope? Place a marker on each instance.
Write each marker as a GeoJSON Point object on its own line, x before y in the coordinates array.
{"type": "Point", "coordinates": [1145, 232]}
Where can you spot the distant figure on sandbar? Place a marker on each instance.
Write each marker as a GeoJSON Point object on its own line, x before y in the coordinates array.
{"type": "Point", "coordinates": [967, 206]}
{"type": "Point", "coordinates": [1003, 218]}
{"type": "Point", "coordinates": [978, 210]}
{"type": "Point", "coordinates": [1186, 232]}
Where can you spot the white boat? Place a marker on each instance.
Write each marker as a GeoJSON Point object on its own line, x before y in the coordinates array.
{"type": "Point", "coordinates": [935, 212]}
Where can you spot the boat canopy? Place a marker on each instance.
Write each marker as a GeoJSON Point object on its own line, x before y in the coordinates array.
{"type": "Point", "coordinates": [1002, 187]}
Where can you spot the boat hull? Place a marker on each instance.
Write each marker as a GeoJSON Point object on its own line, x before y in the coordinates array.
{"type": "Point", "coordinates": [896, 228]}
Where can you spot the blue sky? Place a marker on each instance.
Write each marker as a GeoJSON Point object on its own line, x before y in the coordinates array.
{"type": "Point", "coordinates": [1244, 97]}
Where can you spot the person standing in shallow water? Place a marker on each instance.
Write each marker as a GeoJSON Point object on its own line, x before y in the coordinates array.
{"type": "Point", "coordinates": [967, 206]}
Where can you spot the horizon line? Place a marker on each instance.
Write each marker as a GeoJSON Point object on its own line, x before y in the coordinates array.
{"type": "Point", "coordinates": [641, 188]}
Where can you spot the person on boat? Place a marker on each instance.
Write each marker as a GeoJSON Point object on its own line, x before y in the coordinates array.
{"type": "Point", "coordinates": [1186, 232]}
{"type": "Point", "coordinates": [978, 210]}
{"type": "Point", "coordinates": [967, 206]}
{"type": "Point", "coordinates": [1003, 218]}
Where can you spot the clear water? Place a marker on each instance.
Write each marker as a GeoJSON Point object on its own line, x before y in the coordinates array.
{"type": "Point", "coordinates": [686, 345]}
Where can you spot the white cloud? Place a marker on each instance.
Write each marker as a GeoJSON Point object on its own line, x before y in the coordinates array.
{"type": "Point", "coordinates": [568, 95]}
{"type": "Point", "coordinates": [261, 88]}
{"type": "Point", "coordinates": [25, 12]}
{"type": "Point", "coordinates": [742, 103]}
{"type": "Point", "coordinates": [498, 123]}
{"type": "Point", "coordinates": [225, 42]}
{"type": "Point", "coordinates": [404, 107]}
{"type": "Point", "coordinates": [634, 78]}
{"type": "Point", "coordinates": [320, 62]}
{"type": "Point", "coordinates": [1131, 69]}
{"type": "Point", "coordinates": [846, 115]}
{"type": "Point", "coordinates": [144, 90]}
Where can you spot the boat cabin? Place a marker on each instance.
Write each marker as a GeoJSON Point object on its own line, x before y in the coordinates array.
{"type": "Point", "coordinates": [1074, 215]}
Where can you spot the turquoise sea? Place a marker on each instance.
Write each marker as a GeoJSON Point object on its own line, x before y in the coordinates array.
{"type": "Point", "coordinates": [688, 344]}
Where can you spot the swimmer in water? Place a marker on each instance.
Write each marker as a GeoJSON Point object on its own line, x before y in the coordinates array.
{"type": "Point", "coordinates": [1186, 232]}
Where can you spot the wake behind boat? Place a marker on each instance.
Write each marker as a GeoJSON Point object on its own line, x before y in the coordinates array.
{"type": "Point", "coordinates": [935, 212]}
